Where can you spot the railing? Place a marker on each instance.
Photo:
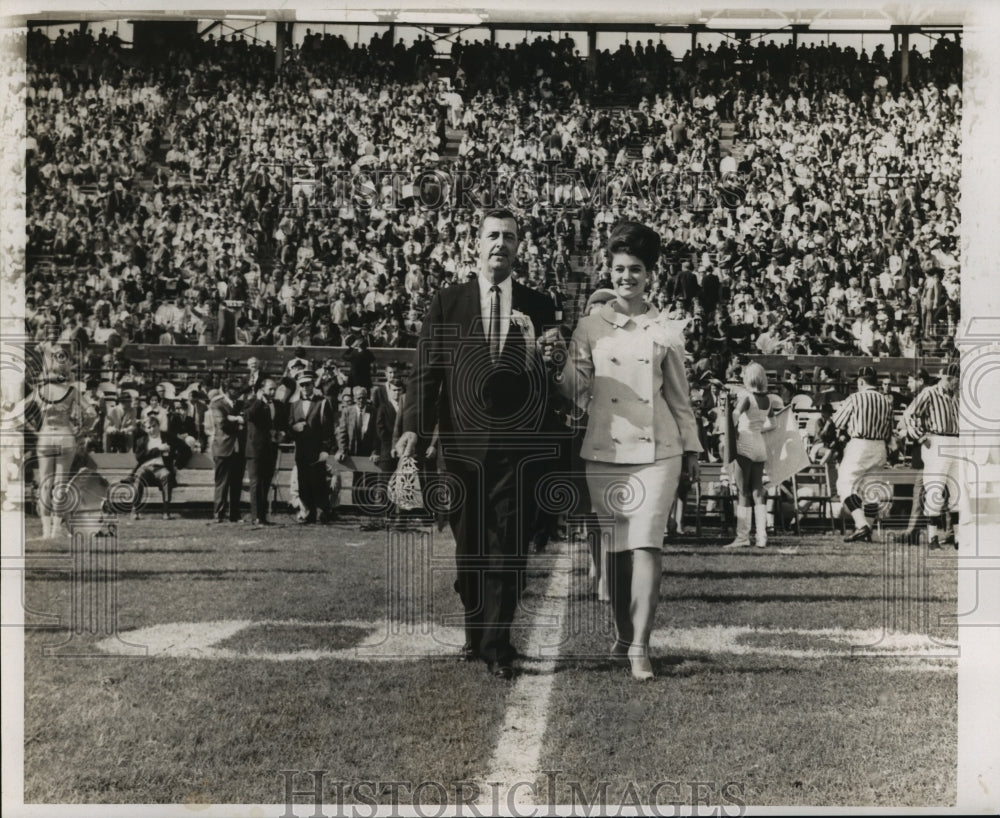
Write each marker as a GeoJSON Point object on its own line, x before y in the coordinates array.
{"type": "Point", "coordinates": [184, 362]}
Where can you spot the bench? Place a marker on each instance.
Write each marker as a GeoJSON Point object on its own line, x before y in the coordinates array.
{"type": "Point", "coordinates": [196, 481]}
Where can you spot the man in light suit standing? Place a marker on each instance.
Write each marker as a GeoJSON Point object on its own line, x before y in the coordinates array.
{"type": "Point", "coordinates": [228, 452]}
{"type": "Point", "coordinates": [479, 380]}
{"type": "Point", "coordinates": [357, 437]}
{"type": "Point", "coordinates": [310, 422]}
{"type": "Point", "coordinates": [120, 424]}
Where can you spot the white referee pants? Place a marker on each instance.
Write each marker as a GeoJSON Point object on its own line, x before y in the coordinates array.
{"type": "Point", "coordinates": [860, 458]}
{"type": "Point", "coordinates": [941, 485]}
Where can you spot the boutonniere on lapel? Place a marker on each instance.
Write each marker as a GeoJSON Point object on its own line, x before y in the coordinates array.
{"type": "Point", "coordinates": [520, 322]}
{"type": "Point", "coordinates": [663, 330]}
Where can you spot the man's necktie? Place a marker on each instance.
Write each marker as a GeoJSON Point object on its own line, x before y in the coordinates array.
{"type": "Point", "coordinates": [495, 323]}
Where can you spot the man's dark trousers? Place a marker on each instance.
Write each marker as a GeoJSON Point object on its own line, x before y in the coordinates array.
{"type": "Point", "coordinates": [260, 473]}
{"type": "Point", "coordinates": [491, 523]}
{"type": "Point", "coordinates": [228, 485]}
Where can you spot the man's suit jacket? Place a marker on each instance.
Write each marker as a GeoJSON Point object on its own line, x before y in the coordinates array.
{"type": "Point", "coordinates": [254, 380]}
{"type": "Point", "coordinates": [229, 437]}
{"type": "Point", "coordinates": [475, 404]}
{"type": "Point", "coordinates": [318, 434]}
{"type": "Point", "coordinates": [351, 438]}
{"type": "Point", "coordinates": [264, 423]}
{"type": "Point", "coordinates": [385, 430]}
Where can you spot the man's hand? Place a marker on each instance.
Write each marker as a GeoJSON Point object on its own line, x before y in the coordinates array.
{"type": "Point", "coordinates": [689, 467]}
{"type": "Point", "coordinates": [406, 444]}
{"type": "Point", "coordinates": [431, 452]}
{"type": "Point", "coordinates": [341, 456]}
{"type": "Point", "coordinates": [926, 442]}
{"type": "Point", "coordinates": [298, 426]}
{"type": "Point", "coordinates": [322, 457]}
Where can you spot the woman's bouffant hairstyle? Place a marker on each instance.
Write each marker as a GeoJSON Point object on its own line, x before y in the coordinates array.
{"type": "Point", "coordinates": [637, 240]}
{"type": "Point", "coordinates": [755, 377]}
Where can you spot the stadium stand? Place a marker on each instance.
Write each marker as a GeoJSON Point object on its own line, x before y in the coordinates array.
{"type": "Point", "coordinates": [190, 209]}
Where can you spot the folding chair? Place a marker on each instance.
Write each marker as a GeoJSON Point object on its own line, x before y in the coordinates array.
{"type": "Point", "coordinates": [282, 473]}
{"type": "Point", "coordinates": [710, 473]}
{"type": "Point", "coordinates": [817, 480]}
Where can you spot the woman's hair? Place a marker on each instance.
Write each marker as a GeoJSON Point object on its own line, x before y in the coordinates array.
{"type": "Point", "coordinates": [754, 377]}
{"type": "Point", "coordinates": [637, 240]}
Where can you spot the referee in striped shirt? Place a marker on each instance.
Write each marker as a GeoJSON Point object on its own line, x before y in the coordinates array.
{"type": "Point", "coordinates": [866, 416]}
{"type": "Point", "coordinates": [932, 420]}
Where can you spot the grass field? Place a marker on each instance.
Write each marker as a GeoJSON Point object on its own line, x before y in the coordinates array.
{"type": "Point", "coordinates": [825, 676]}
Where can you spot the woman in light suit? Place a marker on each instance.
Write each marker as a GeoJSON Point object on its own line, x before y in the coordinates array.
{"type": "Point", "coordinates": [625, 368]}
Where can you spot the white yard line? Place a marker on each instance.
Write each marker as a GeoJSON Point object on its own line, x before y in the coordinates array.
{"type": "Point", "coordinates": [519, 748]}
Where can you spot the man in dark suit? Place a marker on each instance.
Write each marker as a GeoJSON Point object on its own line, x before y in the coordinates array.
{"type": "Point", "coordinates": [228, 450]}
{"type": "Point", "coordinates": [687, 287]}
{"type": "Point", "coordinates": [710, 294]}
{"type": "Point", "coordinates": [264, 423]}
{"type": "Point", "coordinates": [386, 425]}
{"type": "Point", "coordinates": [478, 379]}
{"type": "Point", "coordinates": [310, 424]}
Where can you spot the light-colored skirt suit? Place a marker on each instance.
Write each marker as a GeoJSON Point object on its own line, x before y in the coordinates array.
{"type": "Point", "coordinates": [627, 373]}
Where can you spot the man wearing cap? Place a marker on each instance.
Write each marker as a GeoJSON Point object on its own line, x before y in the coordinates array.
{"type": "Point", "coordinates": [931, 420]}
{"type": "Point", "coordinates": [477, 380]}
{"type": "Point", "coordinates": [866, 415]}
{"type": "Point", "coordinates": [310, 425]}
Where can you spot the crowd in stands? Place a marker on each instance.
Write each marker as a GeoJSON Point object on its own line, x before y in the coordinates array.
{"type": "Point", "coordinates": [199, 197]}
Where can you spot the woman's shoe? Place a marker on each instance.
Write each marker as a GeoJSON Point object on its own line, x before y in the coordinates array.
{"type": "Point", "coordinates": [642, 668]}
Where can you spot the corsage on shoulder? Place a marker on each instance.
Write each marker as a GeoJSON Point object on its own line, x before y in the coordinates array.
{"type": "Point", "coordinates": [664, 331]}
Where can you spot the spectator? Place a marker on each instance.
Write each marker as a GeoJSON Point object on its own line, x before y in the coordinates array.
{"type": "Point", "coordinates": [159, 454]}
{"type": "Point", "coordinates": [310, 422]}
{"type": "Point", "coordinates": [228, 451]}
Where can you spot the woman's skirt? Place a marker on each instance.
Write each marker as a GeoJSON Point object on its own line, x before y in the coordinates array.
{"type": "Point", "coordinates": [632, 502]}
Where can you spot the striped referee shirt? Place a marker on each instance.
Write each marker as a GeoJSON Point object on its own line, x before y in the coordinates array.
{"type": "Point", "coordinates": [932, 412]}
{"type": "Point", "coordinates": [866, 415]}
